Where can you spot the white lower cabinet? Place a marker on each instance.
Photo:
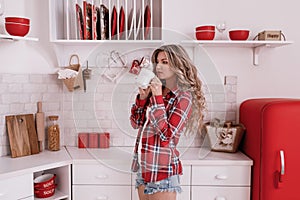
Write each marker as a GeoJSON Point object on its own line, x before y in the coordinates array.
{"type": "Point", "coordinates": [100, 192]}
{"type": "Point", "coordinates": [99, 174]}
{"type": "Point", "coordinates": [221, 175]}
{"type": "Point", "coordinates": [97, 181]}
{"type": "Point", "coordinates": [217, 176]}
{"type": "Point", "coordinates": [19, 187]}
{"type": "Point", "coordinates": [221, 182]}
{"type": "Point", "coordinates": [185, 194]}
{"type": "Point", "coordinates": [220, 193]}
{"type": "Point", "coordinates": [184, 182]}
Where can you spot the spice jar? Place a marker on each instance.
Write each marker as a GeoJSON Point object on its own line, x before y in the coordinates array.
{"type": "Point", "coordinates": [53, 134]}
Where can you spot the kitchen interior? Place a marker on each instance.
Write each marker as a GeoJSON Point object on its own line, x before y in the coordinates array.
{"type": "Point", "coordinates": [90, 157]}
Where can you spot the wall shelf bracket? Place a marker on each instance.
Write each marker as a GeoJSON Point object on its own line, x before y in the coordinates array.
{"type": "Point", "coordinates": [256, 51]}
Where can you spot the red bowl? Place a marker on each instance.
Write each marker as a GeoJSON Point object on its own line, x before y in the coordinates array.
{"type": "Point", "coordinates": [21, 20]}
{"type": "Point", "coordinates": [205, 27]}
{"type": "Point", "coordinates": [205, 35]}
{"type": "Point", "coordinates": [17, 29]}
{"type": "Point", "coordinates": [239, 34]}
{"type": "Point", "coordinates": [44, 181]}
{"type": "Point", "coordinates": [45, 193]}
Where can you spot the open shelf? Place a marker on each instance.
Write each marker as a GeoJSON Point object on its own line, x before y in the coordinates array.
{"type": "Point", "coordinates": [57, 196]}
{"type": "Point", "coordinates": [16, 38]}
{"type": "Point", "coordinates": [137, 22]}
{"type": "Point", "coordinates": [95, 42]}
{"type": "Point", "coordinates": [255, 45]}
{"type": "Point", "coordinates": [235, 43]}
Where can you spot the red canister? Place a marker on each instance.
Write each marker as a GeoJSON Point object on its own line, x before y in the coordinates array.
{"type": "Point", "coordinates": [104, 140]}
{"type": "Point", "coordinates": [83, 140]}
{"type": "Point", "coordinates": [93, 140]}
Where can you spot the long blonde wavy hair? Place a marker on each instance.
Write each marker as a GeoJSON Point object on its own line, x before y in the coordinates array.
{"type": "Point", "coordinates": [187, 77]}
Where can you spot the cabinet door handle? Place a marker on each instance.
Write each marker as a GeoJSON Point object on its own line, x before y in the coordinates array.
{"type": "Point", "coordinates": [102, 198]}
{"type": "Point", "coordinates": [282, 165]}
{"type": "Point", "coordinates": [103, 176]}
{"type": "Point", "coordinates": [221, 177]}
{"type": "Point", "coordinates": [220, 198]}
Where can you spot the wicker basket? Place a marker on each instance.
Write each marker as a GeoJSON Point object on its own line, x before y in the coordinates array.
{"type": "Point", "coordinates": [224, 138]}
{"type": "Point", "coordinates": [75, 82]}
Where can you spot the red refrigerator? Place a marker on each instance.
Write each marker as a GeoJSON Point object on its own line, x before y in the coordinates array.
{"type": "Point", "coordinates": [272, 141]}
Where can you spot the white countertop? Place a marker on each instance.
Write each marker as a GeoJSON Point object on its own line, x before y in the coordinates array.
{"type": "Point", "coordinates": [189, 156]}
{"type": "Point", "coordinates": [33, 163]}
{"type": "Point", "coordinates": [113, 156]}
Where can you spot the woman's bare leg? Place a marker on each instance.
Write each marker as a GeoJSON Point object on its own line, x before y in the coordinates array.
{"type": "Point", "coordinates": [163, 196]}
{"type": "Point", "coordinates": [141, 193]}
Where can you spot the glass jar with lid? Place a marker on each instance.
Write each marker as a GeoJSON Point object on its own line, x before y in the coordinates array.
{"type": "Point", "coordinates": [53, 134]}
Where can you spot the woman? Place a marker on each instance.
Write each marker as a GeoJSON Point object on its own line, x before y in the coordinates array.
{"type": "Point", "coordinates": [172, 103]}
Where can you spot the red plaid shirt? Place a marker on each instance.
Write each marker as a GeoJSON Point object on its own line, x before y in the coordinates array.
{"type": "Point", "coordinates": [166, 119]}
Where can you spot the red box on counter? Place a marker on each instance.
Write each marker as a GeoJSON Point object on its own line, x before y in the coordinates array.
{"type": "Point", "coordinates": [93, 140]}
{"type": "Point", "coordinates": [104, 139]}
{"type": "Point", "coordinates": [83, 140]}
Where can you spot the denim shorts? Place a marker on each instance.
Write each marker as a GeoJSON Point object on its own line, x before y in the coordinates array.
{"type": "Point", "coordinates": [171, 184]}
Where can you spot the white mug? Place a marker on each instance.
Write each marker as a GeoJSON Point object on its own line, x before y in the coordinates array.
{"type": "Point", "coordinates": [144, 78]}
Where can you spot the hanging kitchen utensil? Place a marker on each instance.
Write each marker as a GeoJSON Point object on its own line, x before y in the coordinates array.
{"type": "Point", "coordinates": [113, 73]}
{"type": "Point", "coordinates": [87, 73]}
{"type": "Point", "coordinates": [115, 56]}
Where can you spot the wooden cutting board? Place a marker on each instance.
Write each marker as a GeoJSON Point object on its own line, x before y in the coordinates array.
{"type": "Point", "coordinates": [22, 135]}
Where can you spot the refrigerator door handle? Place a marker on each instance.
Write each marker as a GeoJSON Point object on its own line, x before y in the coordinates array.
{"type": "Point", "coordinates": [282, 165]}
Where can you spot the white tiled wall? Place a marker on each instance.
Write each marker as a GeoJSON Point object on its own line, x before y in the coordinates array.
{"type": "Point", "coordinates": [19, 94]}
{"type": "Point", "coordinates": [103, 107]}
